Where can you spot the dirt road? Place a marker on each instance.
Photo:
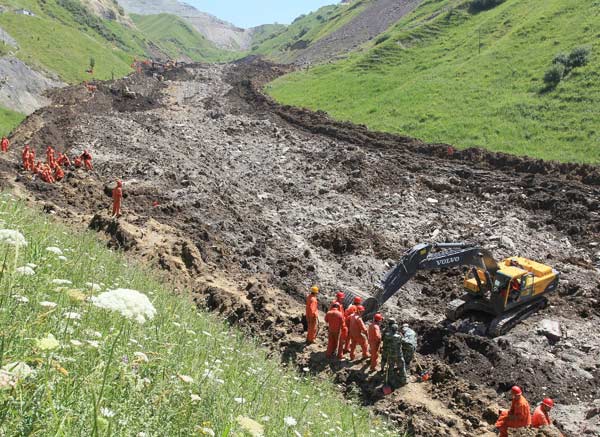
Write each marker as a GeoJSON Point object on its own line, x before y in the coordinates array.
{"type": "Point", "coordinates": [250, 203]}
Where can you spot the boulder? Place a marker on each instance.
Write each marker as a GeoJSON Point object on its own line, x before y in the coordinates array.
{"type": "Point", "coordinates": [507, 243]}
{"type": "Point", "coordinates": [551, 329]}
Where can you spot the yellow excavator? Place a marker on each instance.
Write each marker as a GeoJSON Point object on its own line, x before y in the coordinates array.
{"type": "Point", "coordinates": [510, 291]}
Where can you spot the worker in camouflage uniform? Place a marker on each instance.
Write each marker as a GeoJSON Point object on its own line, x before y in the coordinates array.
{"type": "Point", "coordinates": [392, 360]}
{"type": "Point", "coordinates": [409, 344]}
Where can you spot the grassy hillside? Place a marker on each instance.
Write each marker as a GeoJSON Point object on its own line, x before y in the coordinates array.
{"type": "Point", "coordinates": [76, 363]}
{"type": "Point", "coordinates": [428, 77]}
{"type": "Point", "coordinates": [280, 45]}
{"type": "Point", "coordinates": [9, 120]}
{"type": "Point", "coordinates": [179, 39]}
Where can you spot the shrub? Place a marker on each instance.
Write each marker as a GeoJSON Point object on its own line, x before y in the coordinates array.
{"type": "Point", "coordinates": [484, 5]}
{"type": "Point", "coordinates": [562, 59]}
{"type": "Point", "coordinates": [579, 56]}
{"type": "Point", "coordinates": [554, 75]}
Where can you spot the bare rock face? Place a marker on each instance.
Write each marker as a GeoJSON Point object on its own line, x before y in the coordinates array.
{"type": "Point", "coordinates": [22, 88]}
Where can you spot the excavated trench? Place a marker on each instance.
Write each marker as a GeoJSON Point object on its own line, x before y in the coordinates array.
{"type": "Point", "coordinates": [248, 203]}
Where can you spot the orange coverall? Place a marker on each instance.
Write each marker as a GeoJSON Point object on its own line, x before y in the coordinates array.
{"type": "Point", "coordinates": [519, 416]}
{"type": "Point", "coordinates": [312, 316]}
{"type": "Point", "coordinates": [58, 173]}
{"type": "Point", "coordinates": [540, 418]}
{"type": "Point", "coordinates": [87, 160]}
{"type": "Point", "coordinates": [117, 195]}
{"type": "Point", "coordinates": [374, 343]}
{"type": "Point", "coordinates": [335, 320]}
{"type": "Point", "coordinates": [31, 160]}
{"type": "Point", "coordinates": [349, 311]}
{"type": "Point", "coordinates": [5, 144]}
{"type": "Point", "coordinates": [344, 332]}
{"type": "Point", "coordinates": [25, 156]}
{"type": "Point", "coordinates": [356, 329]}
{"type": "Point", "coordinates": [50, 156]}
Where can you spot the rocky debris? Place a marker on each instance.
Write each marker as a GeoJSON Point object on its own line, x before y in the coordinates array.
{"type": "Point", "coordinates": [251, 203]}
{"type": "Point", "coordinates": [551, 329]}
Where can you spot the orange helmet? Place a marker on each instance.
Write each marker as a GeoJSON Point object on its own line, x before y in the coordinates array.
{"type": "Point", "coordinates": [548, 402]}
{"type": "Point", "coordinates": [360, 308]}
{"type": "Point", "coordinates": [357, 300]}
{"type": "Point", "coordinates": [119, 183]}
{"type": "Point", "coordinates": [340, 295]}
{"type": "Point", "coordinates": [516, 390]}
{"type": "Point", "coordinates": [378, 317]}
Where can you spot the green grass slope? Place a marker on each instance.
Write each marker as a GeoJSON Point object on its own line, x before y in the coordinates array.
{"type": "Point", "coordinates": [9, 120]}
{"type": "Point", "coordinates": [280, 44]}
{"type": "Point", "coordinates": [178, 39]}
{"type": "Point", "coordinates": [72, 368]}
{"type": "Point", "coordinates": [430, 77]}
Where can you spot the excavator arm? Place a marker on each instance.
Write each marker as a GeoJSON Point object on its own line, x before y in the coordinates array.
{"type": "Point", "coordinates": [427, 256]}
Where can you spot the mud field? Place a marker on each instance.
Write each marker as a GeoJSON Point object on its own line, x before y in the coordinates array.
{"type": "Point", "coordinates": [250, 203]}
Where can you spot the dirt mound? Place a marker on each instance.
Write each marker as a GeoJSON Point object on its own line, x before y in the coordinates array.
{"type": "Point", "coordinates": [249, 203]}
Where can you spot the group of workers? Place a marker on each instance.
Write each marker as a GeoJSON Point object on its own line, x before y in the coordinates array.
{"type": "Point", "coordinates": [347, 331]}
{"type": "Point", "coordinates": [52, 170]}
{"type": "Point", "coordinates": [519, 414]}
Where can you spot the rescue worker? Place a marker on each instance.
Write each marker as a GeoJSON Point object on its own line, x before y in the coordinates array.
{"type": "Point", "coordinates": [25, 157]}
{"type": "Point", "coordinates": [312, 311]}
{"type": "Point", "coordinates": [31, 160]}
{"type": "Point", "coordinates": [541, 415]}
{"type": "Point", "coordinates": [77, 162]}
{"type": "Point", "coordinates": [5, 144]}
{"type": "Point", "coordinates": [87, 160]}
{"type": "Point", "coordinates": [117, 195]}
{"type": "Point", "coordinates": [519, 415]}
{"type": "Point", "coordinates": [50, 160]}
{"type": "Point", "coordinates": [357, 331]}
{"type": "Point", "coordinates": [351, 310]}
{"type": "Point", "coordinates": [334, 320]}
{"type": "Point", "coordinates": [409, 344]}
{"type": "Point", "coordinates": [392, 360]}
{"type": "Point", "coordinates": [339, 299]}
{"type": "Point", "coordinates": [375, 340]}
{"type": "Point", "coordinates": [64, 160]}
{"type": "Point", "coordinates": [59, 174]}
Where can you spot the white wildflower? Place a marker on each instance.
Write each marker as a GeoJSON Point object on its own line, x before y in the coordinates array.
{"type": "Point", "coordinates": [195, 398]}
{"type": "Point", "coordinates": [177, 324]}
{"type": "Point", "coordinates": [106, 412]}
{"type": "Point", "coordinates": [142, 434]}
{"type": "Point", "coordinates": [31, 265]}
{"type": "Point", "coordinates": [290, 421]}
{"type": "Point", "coordinates": [240, 400]}
{"type": "Point", "coordinates": [54, 250]}
{"type": "Point", "coordinates": [7, 380]}
{"type": "Point", "coordinates": [130, 303]}
{"type": "Point", "coordinates": [63, 258]}
{"type": "Point", "coordinates": [185, 378]}
{"type": "Point", "coordinates": [61, 282]}
{"type": "Point", "coordinates": [12, 237]}
{"type": "Point", "coordinates": [72, 316]}
{"type": "Point", "coordinates": [265, 418]}
{"type": "Point", "coordinates": [21, 299]}
{"type": "Point", "coordinates": [208, 334]}
{"type": "Point", "coordinates": [254, 428]}
{"type": "Point", "coordinates": [305, 369]}
{"type": "Point", "coordinates": [75, 343]}
{"type": "Point", "coordinates": [93, 343]}
{"type": "Point", "coordinates": [47, 304]}
{"type": "Point", "coordinates": [19, 370]}
{"type": "Point", "coordinates": [25, 271]}
{"type": "Point", "coordinates": [93, 286]}
{"type": "Point", "coordinates": [47, 343]}
{"type": "Point", "coordinates": [96, 334]}
{"type": "Point", "coordinates": [141, 356]}
{"type": "Point", "coordinates": [206, 431]}
{"type": "Point", "coordinates": [219, 381]}
{"type": "Point", "coordinates": [324, 416]}
{"type": "Point", "coordinates": [297, 433]}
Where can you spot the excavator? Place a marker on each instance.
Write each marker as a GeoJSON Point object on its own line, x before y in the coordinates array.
{"type": "Point", "coordinates": [509, 291]}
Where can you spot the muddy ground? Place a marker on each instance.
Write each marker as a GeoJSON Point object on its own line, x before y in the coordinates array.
{"type": "Point", "coordinates": [250, 203]}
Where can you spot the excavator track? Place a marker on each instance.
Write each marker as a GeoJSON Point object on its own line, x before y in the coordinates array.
{"type": "Point", "coordinates": [505, 322]}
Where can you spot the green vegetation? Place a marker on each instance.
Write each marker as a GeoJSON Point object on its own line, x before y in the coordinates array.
{"type": "Point", "coordinates": [72, 364]}
{"type": "Point", "coordinates": [9, 120]}
{"type": "Point", "coordinates": [179, 39]}
{"type": "Point", "coordinates": [446, 74]}
{"type": "Point", "coordinates": [280, 44]}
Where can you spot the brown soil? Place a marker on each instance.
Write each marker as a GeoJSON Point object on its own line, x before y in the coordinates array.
{"type": "Point", "coordinates": [257, 202]}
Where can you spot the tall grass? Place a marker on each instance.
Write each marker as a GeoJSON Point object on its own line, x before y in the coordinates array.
{"type": "Point", "coordinates": [182, 373]}
{"type": "Point", "coordinates": [9, 120]}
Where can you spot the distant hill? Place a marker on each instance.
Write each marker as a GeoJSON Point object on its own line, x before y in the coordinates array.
{"type": "Point", "coordinates": [455, 72]}
{"type": "Point", "coordinates": [223, 34]}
